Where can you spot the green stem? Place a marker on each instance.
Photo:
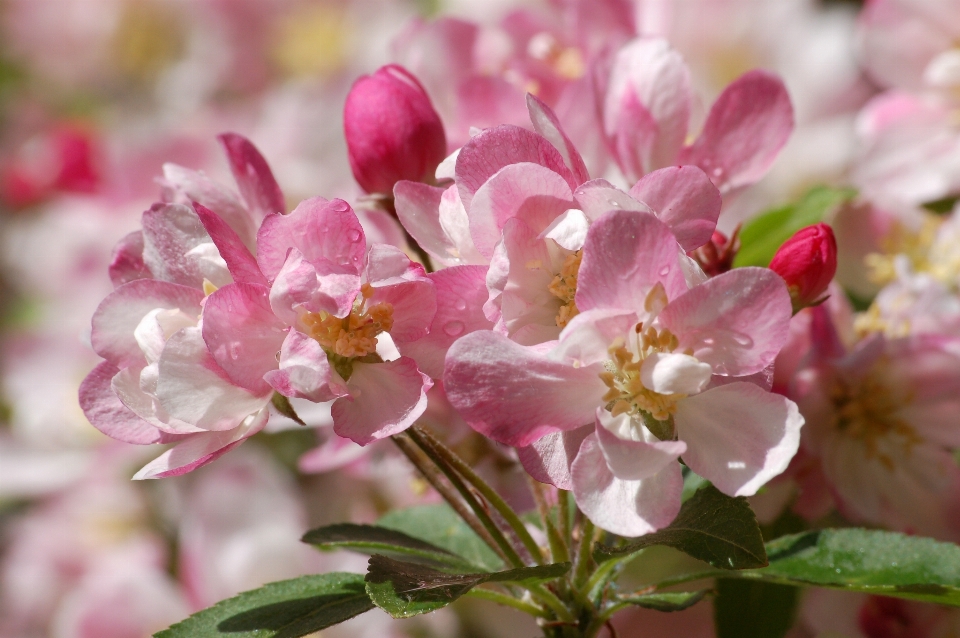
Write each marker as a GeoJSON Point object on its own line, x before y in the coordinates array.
{"type": "Point", "coordinates": [508, 552]}
{"type": "Point", "coordinates": [584, 554]}
{"type": "Point", "coordinates": [548, 598]}
{"type": "Point", "coordinates": [600, 577]}
{"type": "Point", "coordinates": [558, 548]}
{"type": "Point", "coordinates": [563, 499]}
{"type": "Point", "coordinates": [435, 478]}
{"type": "Point", "coordinates": [508, 601]}
{"type": "Point", "coordinates": [505, 511]}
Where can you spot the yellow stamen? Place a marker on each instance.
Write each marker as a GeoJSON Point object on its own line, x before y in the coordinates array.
{"type": "Point", "coordinates": [564, 288]}
{"type": "Point", "coordinates": [354, 335]}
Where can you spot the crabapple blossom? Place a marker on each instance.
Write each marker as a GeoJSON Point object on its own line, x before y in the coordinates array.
{"type": "Point", "coordinates": [657, 369]}
{"type": "Point", "coordinates": [807, 262]}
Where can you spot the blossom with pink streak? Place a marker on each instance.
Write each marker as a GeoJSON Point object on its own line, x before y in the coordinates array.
{"type": "Point", "coordinates": [881, 419]}
{"type": "Point", "coordinates": [655, 368]}
{"type": "Point", "coordinates": [647, 105]}
{"type": "Point", "coordinates": [158, 382]}
{"type": "Point", "coordinates": [338, 312]}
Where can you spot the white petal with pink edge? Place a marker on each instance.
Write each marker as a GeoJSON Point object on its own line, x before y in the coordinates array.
{"type": "Point", "coordinates": [632, 453]}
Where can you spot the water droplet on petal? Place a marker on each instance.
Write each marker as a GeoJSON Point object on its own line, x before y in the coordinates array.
{"type": "Point", "coordinates": [453, 328]}
{"type": "Point", "coordinates": [742, 339]}
{"type": "Point", "coordinates": [234, 351]}
{"type": "Point", "coordinates": [353, 234]}
{"type": "Point", "coordinates": [665, 271]}
{"type": "Point", "coordinates": [460, 304]}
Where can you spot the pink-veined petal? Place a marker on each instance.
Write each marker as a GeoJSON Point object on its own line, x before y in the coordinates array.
{"type": "Point", "coordinates": [385, 398]}
{"type": "Point", "coordinates": [529, 192]}
{"type": "Point", "coordinates": [737, 321]}
{"type": "Point", "coordinates": [170, 233]}
{"type": "Point", "coordinates": [461, 293]}
{"type": "Point", "coordinates": [545, 123]}
{"type": "Point", "coordinates": [184, 186]}
{"type": "Point", "coordinates": [589, 335]}
{"type": "Point", "coordinates": [627, 508]}
{"type": "Point", "coordinates": [126, 262]}
{"type": "Point", "coordinates": [192, 388]}
{"type": "Point", "coordinates": [418, 209]}
{"type": "Point", "coordinates": [299, 285]}
{"type": "Point", "coordinates": [516, 394]}
{"type": "Point", "coordinates": [684, 199]}
{"type": "Point", "coordinates": [625, 255]}
{"type": "Point", "coordinates": [327, 234]}
{"type": "Point", "coordinates": [240, 261]}
{"type": "Point", "coordinates": [108, 414]}
{"type": "Point", "coordinates": [599, 196]}
{"type": "Point", "coordinates": [636, 458]}
{"type": "Point", "coordinates": [744, 132]}
{"type": "Point", "coordinates": [256, 182]}
{"type": "Point", "coordinates": [738, 436]}
{"type": "Point", "coordinates": [404, 285]}
{"type": "Point", "coordinates": [549, 458]}
{"type": "Point", "coordinates": [199, 449]}
{"type": "Point", "coordinates": [122, 311]}
{"type": "Point", "coordinates": [501, 146]}
{"type": "Point", "coordinates": [243, 334]}
{"type": "Point", "coordinates": [305, 372]}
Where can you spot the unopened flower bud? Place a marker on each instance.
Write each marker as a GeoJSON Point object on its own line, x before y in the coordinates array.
{"type": "Point", "coordinates": [807, 262]}
{"type": "Point", "coordinates": [716, 256]}
{"type": "Point", "coordinates": [393, 132]}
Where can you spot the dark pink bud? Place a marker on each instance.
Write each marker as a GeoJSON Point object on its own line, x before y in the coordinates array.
{"type": "Point", "coordinates": [807, 262]}
{"type": "Point", "coordinates": [393, 132]}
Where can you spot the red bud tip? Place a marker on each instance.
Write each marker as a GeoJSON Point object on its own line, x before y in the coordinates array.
{"type": "Point", "coordinates": [807, 262]}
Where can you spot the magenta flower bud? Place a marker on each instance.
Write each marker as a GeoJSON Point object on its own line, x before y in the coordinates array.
{"type": "Point", "coordinates": [807, 262]}
{"type": "Point", "coordinates": [393, 132]}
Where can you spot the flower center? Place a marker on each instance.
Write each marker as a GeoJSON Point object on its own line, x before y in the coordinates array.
{"type": "Point", "coordinates": [866, 411]}
{"type": "Point", "coordinates": [354, 335]}
{"type": "Point", "coordinates": [564, 288]}
{"type": "Point", "coordinates": [916, 247]}
{"type": "Point", "coordinates": [626, 391]}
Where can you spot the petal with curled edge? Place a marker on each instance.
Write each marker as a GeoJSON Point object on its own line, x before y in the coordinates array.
{"type": "Point", "coordinates": [632, 453]}
{"type": "Point", "coordinates": [256, 182]}
{"type": "Point", "coordinates": [305, 372]}
{"type": "Point", "coordinates": [516, 394]}
{"type": "Point", "coordinates": [738, 436]}
{"type": "Point", "coordinates": [627, 508]}
{"type": "Point", "coordinates": [549, 458]}
{"type": "Point", "coordinates": [684, 199]}
{"type": "Point", "coordinates": [384, 399]}
{"type": "Point", "coordinates": [737, 321]}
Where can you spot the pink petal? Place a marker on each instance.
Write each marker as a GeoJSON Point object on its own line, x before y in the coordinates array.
{"type": "Point", "coordinates": [526, 191]}
{"type": "Point", "coordinates": [170, 231]}
{"type": "Point", "coordinates": [327, 234]}
{"type": "Point", "coordinates": [744, 132]}
{"type": "Point", "coordinates": [243, 334]}
{"type": "Point", "coordinates": [200, 449]}
{"type": "Point", "coordinates": [491, 150]}
{"type": "Point", "coordinates": [404, 285]}
{"type": "Point", "coordinates": [629, 459]}
{"type": "Point", "coordinates": [684, 199]}
{"type": "Point", "coordinates": [108, 414]}
{"type": "Point", "coordinates": [240, 261]}
{"type": "Point", "coordinates": [588, 336]}
{"type": "Point", "coordinates": [299, 286]}
{"type": "Point", "coordinates": [122, 311]}
{"type": "Point", "coordinates": [515, 394]}
{"type": "Point", "coordinates": [737, 321]}
{"type": "Point", "coordinates": [136, 388]}
{"type": "Point", "coordinates": [545, 123]}
{"type": "Point", "coordinates": [461, 293]}
{"type": "Point", "coordinates": [599, 196]}
{"type": "Point", "coordinates": [305, 372]}
{"type": "Point", "coordinates": [330, 455]}
{"type": "Point", "coordinates": [647, 108]}
{"type": "Point", "coordinates": [385, 398]}
{"type": "Point", "coordinates": [418, 209]}
{"type": "Point", "coordinates": [192, 388]}
{"type": "Point", "coordinates": [628, 508]}
{"type": "Point", "coordinates": [126, 262]}
{"type": "Point", "coordinates": [738, 436]}
{"type": "Point", "coordinates": [257, 184]}
{"type": "Point", "coordinates": [625, 255]}
{"type": "Point", "coordinates": [549, 458]}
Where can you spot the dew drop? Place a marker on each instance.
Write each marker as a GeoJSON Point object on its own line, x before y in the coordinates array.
{"type": "Point", "coordinates": [234, 351]}
{"type": "Point", "coordinates": [665, 271]}
{"type": "Point", "coordinates": [717, 172]}
{"type": "Point", "coordinates": [453, 328]}
{"type": "Point", "coordinates": [709, 341]}
{"type": "Point", "coordinates": [742, 339]}
{"type": "Point", "coordinates": [353, 234]}
{"type": "Point", "coordinates": [460, 304]}
{"type": "Point", "coordinates": [614, 203]}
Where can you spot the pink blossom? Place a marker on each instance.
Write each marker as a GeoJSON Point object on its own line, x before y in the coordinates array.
{"type": "Point", "coordinates": [652, 365]}
{"type": "Point", "coordinates": [807, 262]}
{"type": "Point", "coordinates": [880, 422]}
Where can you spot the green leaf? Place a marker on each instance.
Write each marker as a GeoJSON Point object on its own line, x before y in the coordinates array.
{"type": "Point", "coordinates": [753, 609]}
{"type": "Point", "coordinates": [869, 561]}
{"type": "Point", "coordinates": [286, 609]}
{"type": "Point", "coordinates": [283, 406]}
{"type": "Point", "coordinates": [691, 483]}
{"type": "Point", "coordinates": [762, 236]}
{"type": "Point", "coordinates": [942, 206]}
{"type": "Point", "coordinates": [712, 527]}
{"type": "Point", "coordinates": [439, 525]}
{"type": "Point", "coordinates": [667, 600]}
{"type": "Point", "coordinates": [408, 589]}
{"type": "Point", "coordinates": [372, 539]}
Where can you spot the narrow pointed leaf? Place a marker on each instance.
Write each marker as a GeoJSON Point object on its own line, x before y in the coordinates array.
{"type": "Point", "coordinates": [286, 609]}
{"type": "Point", "coordinates": [283, 406]}
{"type": "Point", "coordinates": [668, 600]}
{"type": "Point", "coordinates": [439, 525]}
{"type": "Point", "coordinates": [711, 526]}
{"type": "Point", "coordinates": [372, 539]}
{"type": "Point", "coordinates": [408, 589]}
